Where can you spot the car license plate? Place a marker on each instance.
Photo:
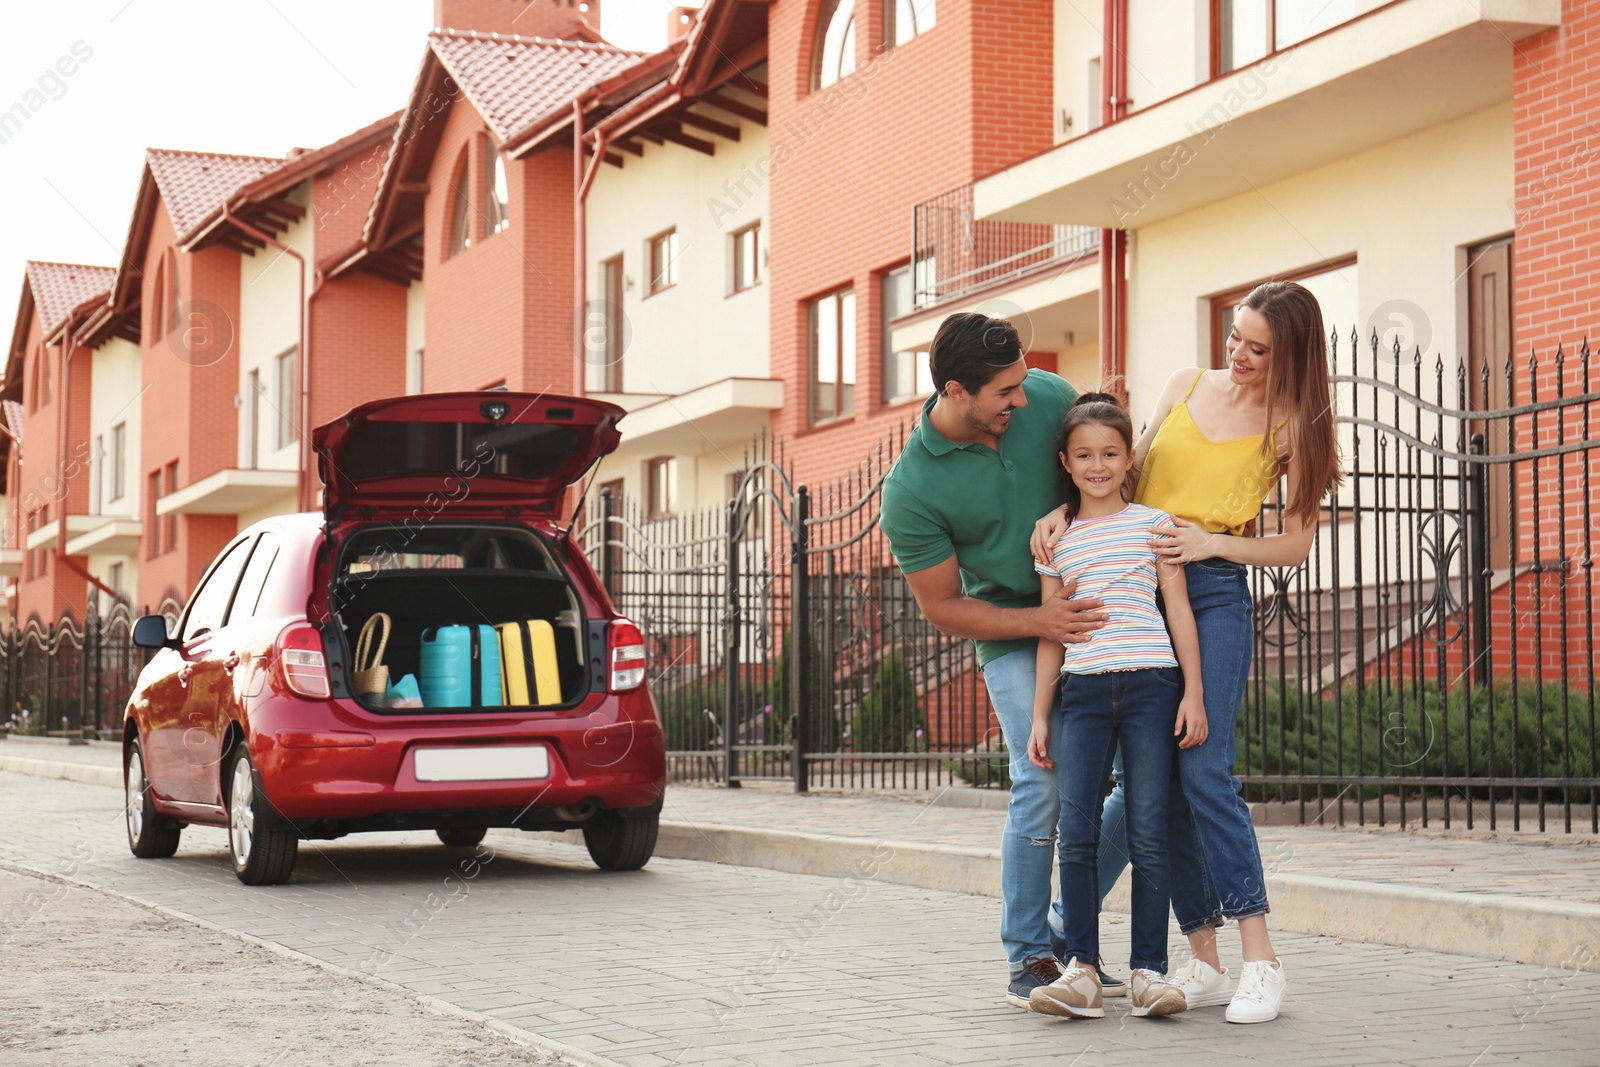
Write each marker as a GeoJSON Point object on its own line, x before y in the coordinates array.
{"type": "Point", "coordinates": [483, 763]}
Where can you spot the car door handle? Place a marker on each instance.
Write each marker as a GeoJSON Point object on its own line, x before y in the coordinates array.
{"type": "Point", "coordinates": [231, 662]}
{"type": "Point", "coordinates": [184, 674]}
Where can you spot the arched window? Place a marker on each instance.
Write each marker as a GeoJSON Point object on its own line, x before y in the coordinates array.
{"type": "Point", "coordinates": [908, 18]}
{"type": "Point", "coordinates": [173, 295]}
{"type": "Point", "coordinates": [461, 212]}
{"type": "Point", "coordinates": [836, 43]}
{"type": "Point", "coordinates": [496, 209]}
{"type": "Point", "coordinates": [154, 302]}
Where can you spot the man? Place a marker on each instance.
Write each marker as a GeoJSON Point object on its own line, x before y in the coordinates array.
{"type": "Point", "coordinates": [959, 504]}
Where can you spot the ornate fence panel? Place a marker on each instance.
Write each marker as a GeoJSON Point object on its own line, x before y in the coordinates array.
{"type": "Point", "coordinates": [1434, 660]}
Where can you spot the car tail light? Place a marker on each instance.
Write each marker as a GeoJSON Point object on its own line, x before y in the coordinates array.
{"type": "Point", "coordinates": [301, 663]}
{"type": "Point", "coordinates": [626, 653]}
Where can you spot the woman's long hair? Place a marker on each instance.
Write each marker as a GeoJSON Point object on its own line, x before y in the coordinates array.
{"type": "Point", "coordinates": [1093, 409]}
{"type": "Point", "coordinates": [1297, 380]}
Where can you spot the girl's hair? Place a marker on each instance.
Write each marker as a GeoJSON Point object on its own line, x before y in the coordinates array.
{"type": "Point", "coordinates": [1297, 380]}
{"type": "Point", "coordinates": [1093, 409]}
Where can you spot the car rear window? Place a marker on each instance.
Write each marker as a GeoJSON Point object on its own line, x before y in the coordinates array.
{"type": "Point", "coordinates": [401, 448]}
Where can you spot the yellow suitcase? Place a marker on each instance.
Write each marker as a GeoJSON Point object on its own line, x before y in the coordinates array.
{"type": "Point", "coordinates": [528, 648]}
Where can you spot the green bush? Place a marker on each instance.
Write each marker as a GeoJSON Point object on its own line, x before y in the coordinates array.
{"type": "Point", "coordinates": [1419, 731]}
{"type": "Point", "coordinates": [685, 718]}
{"type": "Point", "coordinates": [823, 733]}
{"type": "Point", "coordinates": [989, 772]}
{"type": "Point", "coordinates": [890, 719]}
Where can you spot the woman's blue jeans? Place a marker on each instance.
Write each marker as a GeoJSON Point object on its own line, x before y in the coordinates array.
{"type": "Point", "coordinates": [1099, 713]}
{"type": "Point", "coordinates": [1216, 862]}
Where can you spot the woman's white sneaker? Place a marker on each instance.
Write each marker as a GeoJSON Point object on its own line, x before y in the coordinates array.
{"type": "Point", "coordinates": [1260, 993]}
{"type": "Point", "coordinates": [1203, 985]}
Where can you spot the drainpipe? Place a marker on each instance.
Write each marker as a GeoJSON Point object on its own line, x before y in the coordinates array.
{"type": "Point", "coordinates": [1114, 242]}
{"type": "Point", "coordinates": [303, 483]}
{"type": "Point", "coordinates": [582, 179]}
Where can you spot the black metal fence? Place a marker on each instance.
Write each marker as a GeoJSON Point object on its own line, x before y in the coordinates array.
{"type": "Point", "coordinates": [1432, 662]}
{"type": "Point", "coordinates": [71, 679]}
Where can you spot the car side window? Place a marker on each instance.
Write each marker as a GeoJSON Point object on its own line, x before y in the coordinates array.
{"type": "Point", "coordinates": [211, 599]}
{"type": "Point", "coordinates": [255, 578]}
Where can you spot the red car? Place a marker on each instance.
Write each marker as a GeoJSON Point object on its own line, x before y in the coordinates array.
{"type": "Point", "coordinates": [439, 510]}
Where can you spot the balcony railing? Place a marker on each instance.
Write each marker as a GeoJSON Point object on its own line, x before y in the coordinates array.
{"type": "Point", "coordinates": [953, 254]}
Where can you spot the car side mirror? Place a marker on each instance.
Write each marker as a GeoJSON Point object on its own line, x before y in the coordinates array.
{"type": "Point", "coordinates": [151, 632]}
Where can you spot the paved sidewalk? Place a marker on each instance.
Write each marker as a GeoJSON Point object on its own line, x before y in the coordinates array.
{"type": "Point", "coordinates": [704, 963]}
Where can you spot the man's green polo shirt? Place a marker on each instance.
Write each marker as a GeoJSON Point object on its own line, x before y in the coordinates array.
{"type": "Point", "coordinates": [942, 498]}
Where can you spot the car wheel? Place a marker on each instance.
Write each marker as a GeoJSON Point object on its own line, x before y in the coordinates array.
{"type": "Point", "coordinates": [151, 835]}
{"type": "Point", "coordinates": [619, 844]}
{"type": "Point", "coordinates": [462, 836]}
{"type": "Point", "coordinates": [262, 844]}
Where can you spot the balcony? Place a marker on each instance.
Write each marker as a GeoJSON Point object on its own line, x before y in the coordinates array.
{"type": "Point", "coordinates": [230, 491]}
{"type": "Point", "coordinates": [720, 415]}
{"type": "Point", "coordinates": [10, 562]}
{"type": "Point", "coordinates": [114, 535]}
{"type": "Point", "coordinates": [1402, 68]}
{"type": "Point", "coordinates": [963, 263]}
{"type": "Point", "coordinates": [44, 538]}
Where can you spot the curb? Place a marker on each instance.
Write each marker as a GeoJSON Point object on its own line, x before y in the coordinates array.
{"type": "Point", "coordinates": [1486, 925]}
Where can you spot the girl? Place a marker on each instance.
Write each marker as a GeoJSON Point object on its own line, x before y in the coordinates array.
{"type": "Point", "coordinates": [1122, 686]}
{"type": "Point", "coordinates": [1217, 444]}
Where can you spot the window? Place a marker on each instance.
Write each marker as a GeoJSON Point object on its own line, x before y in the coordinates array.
{"type": "Point", "coordinates": [836, 43]}
{"type": "Point", "coordinates": [210, 601]}
{"type": "Point", "coordinates": [747, 257]}
{"type": "Point", "coordinates": [751, 501]}
{"type": "Point", "coordinates": [154, 306]}
{"type": "Point", "coordinates": [1333, 286]}
{"type": "Point", "coordinates": [663, 261]}
{"type": "Point", "coordinates": [252, 419]}
{"type": "Point", "coordinates": [254, 579]}
{"type": "Point", "coordinates": [905, 374]}
{"type": "Point", "coordinates": [173, 295]}
{"type": "Point", "coordinates": [496, 212]}
{"type": "Point", "coordinates": [461, 212]}
{"type": "Point", "coordinates": [114, 580]}
{"type": "Point", "coordinates": [1243, 31]}
{"type": "Point", "coordinates": [615, 325]}
{"type": "Point", "coordinates": [172, 517]}
{"type": "Point", "coordinates": [907, 18]}
{"type": "Point", "coordinates": [661, 488]}
{"type": "Point", "coordinates": [152, 493]}
{"type": "Point", "coordinates": [119, 460]}
{"type": "Point", "coordinates": [833, 355]}
{"type": "Point", "coordinates": [286, 397]}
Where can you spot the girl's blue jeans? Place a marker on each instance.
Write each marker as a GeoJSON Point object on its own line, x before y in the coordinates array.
{"type": "Point", "coordinates": [1216, 862]}
{"type": "Point", "coordinates": [1098, 713]}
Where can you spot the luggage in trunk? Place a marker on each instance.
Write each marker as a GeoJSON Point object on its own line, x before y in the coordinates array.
{"type": "Point", "coordinates": [461, 668]}
{"type": "Point", "coordinates": [528, 657]}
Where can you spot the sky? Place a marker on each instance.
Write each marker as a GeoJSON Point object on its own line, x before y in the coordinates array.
{"type": "Point", "coordinates": [104, 79]}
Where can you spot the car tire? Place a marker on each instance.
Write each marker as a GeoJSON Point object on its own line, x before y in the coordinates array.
{"type": "Point", "coordinates": [462, 836]}
{"type": "Point", "coordinates": [616, 843]}
{"type": "Point", "coordinates": [151, 835]}
{"type": "Point", "coordinates": [262, 844]}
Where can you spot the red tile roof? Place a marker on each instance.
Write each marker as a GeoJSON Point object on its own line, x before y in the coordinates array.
{"type": "Point", "coordinates": [515, 81]}
{"type": "Point", "coordinates": [192, 183]}
{"type": "Point", "coordinates": [58, 288]}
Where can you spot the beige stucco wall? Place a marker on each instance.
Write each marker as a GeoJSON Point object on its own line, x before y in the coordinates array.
{"type": "Point", "coordinates": [694, 333]}
{"type": "Point", "coordinates": [269, 324]}
{"type": "Point", "coordinates": [416, 306]}
{"type": "Point", "coordinates": [1406, 226]}
{"type": "Point", "coordinates": [114, 396]}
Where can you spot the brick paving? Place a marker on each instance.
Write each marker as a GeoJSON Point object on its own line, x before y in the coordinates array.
{"type": "Point", "coordinates": [701, 963]}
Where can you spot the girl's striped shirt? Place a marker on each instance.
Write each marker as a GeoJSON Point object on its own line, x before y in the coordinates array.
{"type": "Point", "coordinates": [1112, 560]}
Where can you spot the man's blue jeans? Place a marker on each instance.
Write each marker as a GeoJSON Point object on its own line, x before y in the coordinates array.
{"type": "Point", "coordinates": [1027, 847]}
{"type": "Point", "coordinates": [1216, 862]}
{"type": "Point", "coordinates": [1098, 713]}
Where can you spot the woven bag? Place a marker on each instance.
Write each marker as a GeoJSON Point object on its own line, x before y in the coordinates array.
{"type": "Point", "coordinates": [371, 676]}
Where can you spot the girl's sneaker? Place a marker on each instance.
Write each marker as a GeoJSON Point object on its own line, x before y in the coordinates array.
{"type": "Point", "coordinates": [1154, 994]}
{"type": "Point", "coordinates": [1260, 993]}
{"type": "Point", "coordinates": [1076, 994]}
{"type": "Point", "coordinates": [1203, 985]}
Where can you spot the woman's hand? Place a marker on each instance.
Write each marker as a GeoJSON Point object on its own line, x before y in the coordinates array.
{"type": "Point", "coordinates": [1039, 744]}
{"type": "Point", "coordinates": [1046, 532]}
{"type": "Point", "coordinates": [1191, 727]}
{"type": "Point", "coordinates": [1184, 544]}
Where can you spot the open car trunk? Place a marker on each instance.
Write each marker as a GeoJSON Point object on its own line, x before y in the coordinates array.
{"type": "Point", "coordinates": [456, 575]}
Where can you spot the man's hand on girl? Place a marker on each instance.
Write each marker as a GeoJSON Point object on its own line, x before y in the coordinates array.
{"type": "Point", "coordinates": [1039, 746]}
{"type": "Point", "coordinates": [1185, 544]}
{"type": "Point", "coordinates": [1067, 620]}
{"type": "Point", "coordinates": [1191, 727]}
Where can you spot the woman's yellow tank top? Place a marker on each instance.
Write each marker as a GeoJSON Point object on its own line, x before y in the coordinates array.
{"type": "Point", "coordinates": [1216, 484]}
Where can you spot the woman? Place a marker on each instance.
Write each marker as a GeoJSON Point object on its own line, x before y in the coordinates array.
{"type": "Point", "coordinates": [1217, 444]}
